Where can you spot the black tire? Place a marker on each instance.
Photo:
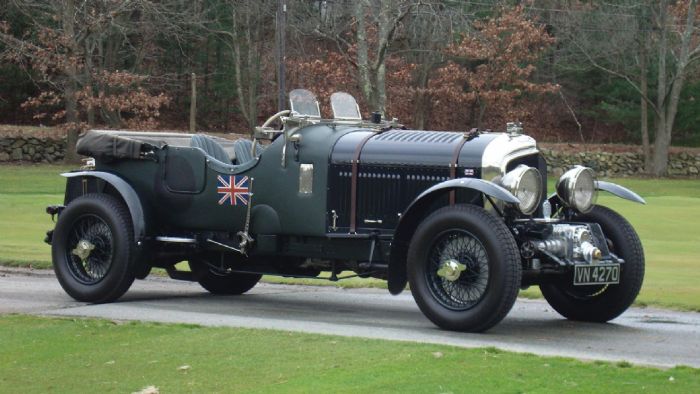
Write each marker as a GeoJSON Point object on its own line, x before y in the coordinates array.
{"type": "Point", "coordinates": [602, 303]}
{"type": "Point", "coordinates": [221, 282]}
{"type": "Point", "coordinates": [476, 301]}
{"type": "Point", "coordinates": [108, 271]}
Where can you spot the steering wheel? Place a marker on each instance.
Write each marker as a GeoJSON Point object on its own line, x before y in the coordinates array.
{"type": "Point", "coordinates": [275, 117]}
{"type": "Point", "coordinates": [267, 123]}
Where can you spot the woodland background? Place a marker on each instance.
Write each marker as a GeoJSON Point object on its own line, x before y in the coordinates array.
{"type": "Point", "coordinates": [583, 71]}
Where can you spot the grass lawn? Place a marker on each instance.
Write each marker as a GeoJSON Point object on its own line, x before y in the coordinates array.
{"type": "Point", "coordinates": [669, 226]}
{"type": "Point", "coordinates": [76, 355]}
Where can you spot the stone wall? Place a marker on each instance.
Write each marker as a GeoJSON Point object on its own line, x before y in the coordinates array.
{"type": "Point", "coordinates": [619, 164]}
{"type": "Point", "coordinates": [31, 149]}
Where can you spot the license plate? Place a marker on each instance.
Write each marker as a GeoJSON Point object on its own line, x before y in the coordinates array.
{"type": "Point", "coordinates": [596, 274]}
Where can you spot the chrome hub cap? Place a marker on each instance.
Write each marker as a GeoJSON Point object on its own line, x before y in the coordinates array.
{"type": "Point", "coordinates": [83, 249]}
{"type": "Point", "coordinates": [457, 271]}
{"type": "Point", "coordinates": [451, 269]}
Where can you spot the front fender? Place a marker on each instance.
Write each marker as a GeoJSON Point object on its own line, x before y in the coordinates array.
{"type": "Point", "coordinates": [619, 191]}
{"type": "Point", "coordinates": [411, 216]}
{"type": "Point", "coordinates": [127, 193]}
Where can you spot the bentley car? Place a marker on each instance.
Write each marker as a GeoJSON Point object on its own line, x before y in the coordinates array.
{"type": "Point", "coordinates": [463, 219]}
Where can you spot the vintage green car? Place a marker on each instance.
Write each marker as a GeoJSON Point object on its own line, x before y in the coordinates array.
{"type": "Point", "coordinates": [462, 217]}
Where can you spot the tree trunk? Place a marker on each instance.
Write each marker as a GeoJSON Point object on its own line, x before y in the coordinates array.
{"type": "Point", "coordinates": [421, 99]}
{"type": "Point", "coordinates": [668, 108]}
{"type": "Point", "coordinates": [660, 157]}
{"type": "Point", "coordinates": [480, 115]}
{"type": "Point", "coordinates": [89, 49]}
{"type": "Point", "coordinates": [70, 89]}
{"type": "Point", "coordinates": [362, 56]}
{"type": "Point", "coordinates": [253, 71]}
{"type": "Point", "coordinates": [238, 67]}
{"type": "Point", "coordinates": [644, 109]}
{"type": "Point", "coordinates": [381, 89]}
{"type": "Point", "coordinates": [193, 103]}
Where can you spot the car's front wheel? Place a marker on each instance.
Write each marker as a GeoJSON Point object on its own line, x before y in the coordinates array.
{"type": "Point", "coordinates": [93, 249]}
{"type": "Point", "coordinates": [464, 268]}
{"type": "Point", "coordinates": [600, 303]}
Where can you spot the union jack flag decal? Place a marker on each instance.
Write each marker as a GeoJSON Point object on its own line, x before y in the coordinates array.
{"type": "Point", "coordinates": [234, 189]}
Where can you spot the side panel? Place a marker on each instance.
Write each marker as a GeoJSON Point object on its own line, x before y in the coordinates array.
{"type": "Point", "coordinates": [384, 193]}
{"type": "Point", "coordinates": [186, 191]}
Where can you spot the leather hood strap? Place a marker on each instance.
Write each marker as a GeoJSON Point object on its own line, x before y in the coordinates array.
{"type": "Point", "coordinates": [353, 186]}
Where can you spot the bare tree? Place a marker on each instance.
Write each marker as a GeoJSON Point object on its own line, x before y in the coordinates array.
{"type": "Point", "coordinates": [248, 28]}
{"type": "Point", "coordinates": [429, 29]}
{"type": "Point", "coordinates": [630, 42]}
{"type": "Point", "coordinates": [363, 31]}
{"type": "Point", "coordinates": [94, 55]}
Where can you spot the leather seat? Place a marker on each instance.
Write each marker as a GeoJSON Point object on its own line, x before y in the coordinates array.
{"type": "Point", "coordinates": [210, 147]}
{"type": "Point", "coordinates": [243, 150]}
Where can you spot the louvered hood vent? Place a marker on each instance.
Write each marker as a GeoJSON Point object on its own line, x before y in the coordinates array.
{"type": "Point", "coordinates": [411, 148]}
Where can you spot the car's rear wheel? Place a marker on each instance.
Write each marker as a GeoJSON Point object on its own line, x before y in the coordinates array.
{"type": "Point", "coordinates": [464, 268]}
{"type": "Point", "coordinates": [602, 303]}
{"type": "Point", "coordinates": [93, 249]}
{"type": "Point", "coordinates": [221, 280]}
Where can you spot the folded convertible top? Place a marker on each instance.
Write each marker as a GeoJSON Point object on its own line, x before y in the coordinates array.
{"type": "Point", "coordinates": [109, 147]}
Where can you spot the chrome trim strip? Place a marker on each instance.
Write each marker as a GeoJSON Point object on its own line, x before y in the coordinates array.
{"type": "Point", "coordinates": [306, 178]}
{"type": "Point", "coordinates": [176, 240]}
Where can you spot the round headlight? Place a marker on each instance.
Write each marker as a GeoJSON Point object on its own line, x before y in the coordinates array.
{"type": "Point", "coordinates": [526, 184]}
{"type": "Point", "coordinates": [576, 188]}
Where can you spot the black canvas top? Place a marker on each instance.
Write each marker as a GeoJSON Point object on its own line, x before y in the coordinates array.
{"type": "Point", "coordinates": [108, 147]}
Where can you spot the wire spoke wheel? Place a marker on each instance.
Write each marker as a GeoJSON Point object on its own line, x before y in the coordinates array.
{"type": "Point", "coordinates": [464, 268]}
{"type": "Point", "coordinates": [601, 303]}
{"type": "Point", "coordinates": [89, 249]}
{"type": "Point", "coordinates": [93, 248]}
{"type": "Point", "coordinates": [458, 290]}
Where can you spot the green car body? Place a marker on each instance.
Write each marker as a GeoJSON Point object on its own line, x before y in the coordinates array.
{"type": "Point", "coordinates": [336, 195]}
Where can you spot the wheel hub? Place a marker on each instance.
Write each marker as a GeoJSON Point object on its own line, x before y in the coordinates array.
{"type": "Point", "coordinates": [83, 249]}
{"type": "Point", "coordinates": [451, 269]}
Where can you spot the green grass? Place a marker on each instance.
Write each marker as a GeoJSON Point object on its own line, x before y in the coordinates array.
{"type": "Point", "coordinates": [669, 226]}
{"type": "Point", "coordinates": [24, 193]}
{"type": "Point", "coordinates": [353, 282]}
{"type": "Point", "coordinates": [76, 355]}
{"type": "Point", "coordinates": [32, 179]}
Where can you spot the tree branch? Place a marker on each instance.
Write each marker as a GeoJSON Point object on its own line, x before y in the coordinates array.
{"type": "Point", "coordinates": [620, 75]}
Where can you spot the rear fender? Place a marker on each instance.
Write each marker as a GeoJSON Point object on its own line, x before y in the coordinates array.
{"type": "Point", "coordinates": [412, 215]}
{"type": "Point", "coordinates": [126, 192]}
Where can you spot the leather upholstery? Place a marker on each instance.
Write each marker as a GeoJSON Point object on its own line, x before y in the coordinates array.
{"type": "Point", "coordinates": [210, 147]}
{"type": "Point", "coordinates": [242, 148]}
